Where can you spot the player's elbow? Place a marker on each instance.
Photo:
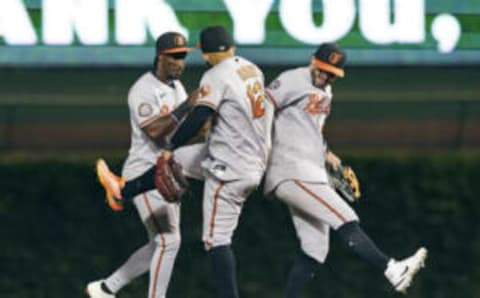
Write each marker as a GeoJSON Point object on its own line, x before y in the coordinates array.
{"type": "Point", "coordinates": [158, 132]}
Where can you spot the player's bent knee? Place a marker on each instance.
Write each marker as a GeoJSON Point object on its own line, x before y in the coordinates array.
{"type": "Point", "coordinates": [169, 241]}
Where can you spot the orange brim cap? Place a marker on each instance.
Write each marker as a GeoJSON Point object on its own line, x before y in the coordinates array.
{"type": "Point", "coordinates": [328, 67]}
{"type": "Point", "coordinates": [177, 50]}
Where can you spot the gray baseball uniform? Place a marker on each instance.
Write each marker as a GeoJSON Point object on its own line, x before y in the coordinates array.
{"type": "Point", "coordinates": [296, 172]}
{"type": "Point", "coordinates": [238, 144]}
{"type": "Point", "coordinates": [148, 99]}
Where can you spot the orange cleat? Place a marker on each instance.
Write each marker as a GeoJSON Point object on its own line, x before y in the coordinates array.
{"type": "Point", "coordinates": [112, 184]}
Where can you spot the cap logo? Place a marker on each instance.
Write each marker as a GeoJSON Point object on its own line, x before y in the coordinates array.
{"type": "Point", "coordinates": [334, 58]}
{"type": "Point", "coordinates": [179, 41]}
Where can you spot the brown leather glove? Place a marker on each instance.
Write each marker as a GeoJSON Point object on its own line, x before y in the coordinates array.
{"type": "Point", "coordinates": [169, 179]}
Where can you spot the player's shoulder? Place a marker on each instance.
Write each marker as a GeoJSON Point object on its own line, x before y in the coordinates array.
{"type": "Point", "coordinates": [298, 73]}
{"type": "Point", "coordinates": [240, 62]}
{"type": "Point", "coordinates": [291, 79]}
{"type": "Point", "coordinates": [211, 72]}
{"type": "Point", "coordinates": [145, 80]}
{"type": "Point", "coordinates": [229, 68]}
{"type": "Point", "coordinates": [142, 88]}
{"type": "Point", "coordinates": [215, 75]}
{"type": "Point", "coordinates": [232, 65]}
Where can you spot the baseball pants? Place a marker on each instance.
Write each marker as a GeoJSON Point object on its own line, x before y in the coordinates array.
{"type": "Point", "coordinates": [162, 221]}
{"type": "Point", "coordinates": [315, 208]}
{"type": "Point", "coordinates": [222, 206]}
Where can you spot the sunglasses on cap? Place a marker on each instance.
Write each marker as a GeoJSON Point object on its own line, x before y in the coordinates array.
{"type": "Point", "coordinates": [177, 56]}
{"type": "Point", "coordinates": [329, 74]}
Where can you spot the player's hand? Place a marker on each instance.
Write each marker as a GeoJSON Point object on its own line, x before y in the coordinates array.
{"type": "Point", "coordinates": [167, 154]}
{"type": "Point", "coordinates": [197, 94]}
{"type": "Point", "coordinates": [333, 160]}
{"type": "Point", "coordinates": [169, 179]}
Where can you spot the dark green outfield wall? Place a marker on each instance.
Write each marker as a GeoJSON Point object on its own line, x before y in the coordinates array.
{"type": "Point", "coordinates": [109, 86]}
{"type": "Point", "coordinates": [375, 108]}
{"type": "Point", "coordinates": [57, 234]}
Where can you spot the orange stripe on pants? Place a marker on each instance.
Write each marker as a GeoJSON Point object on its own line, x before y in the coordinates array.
{"type": "Point", "coordinates": [319, 199]}
{"type": "Point", "coordinates": [162, 245]}
{"type": "Point", "coordinates": [214, 212]}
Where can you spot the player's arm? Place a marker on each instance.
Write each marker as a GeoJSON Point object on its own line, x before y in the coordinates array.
{"type": "Point", "coordinates": [201, 136]}
{"type": "Point", "coordinates": [193, 124]}
{"type": "Point", "coordinates": [208, 101]}
{"type": "Point", "coordinates": [158, 128]}
{"type": "Point", "coordinates": [161, 126]}
{"type": "Point", "coordinates": [156, 176]}
{"type": "Point", "coordinates": [206, 106]}
{"type": "Point", "coordinates": [189, 128]}
{"type": "Point", "coordinates": [332, 159]}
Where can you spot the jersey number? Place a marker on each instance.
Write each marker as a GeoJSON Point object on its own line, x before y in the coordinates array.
{"type": "Point", "coordinates": [257, 99]}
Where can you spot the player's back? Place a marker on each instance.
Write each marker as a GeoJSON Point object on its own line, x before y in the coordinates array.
{"type": "Point", "coordinates": [239, 141]}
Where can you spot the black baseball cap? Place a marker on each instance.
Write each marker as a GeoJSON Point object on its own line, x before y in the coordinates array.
{"type": "Point", "coordinates": [215, 39]}
{"type": "Point", "coordinates": [171, 43]}
{"type": "Point", "coordinates": [331, 58]}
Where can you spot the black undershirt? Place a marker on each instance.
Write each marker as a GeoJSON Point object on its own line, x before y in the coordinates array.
{"type": "Point", "coordinates": [191, 126]}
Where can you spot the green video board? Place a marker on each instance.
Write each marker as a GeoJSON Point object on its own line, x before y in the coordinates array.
{"type": "Point", "coordinates": [270, 32]}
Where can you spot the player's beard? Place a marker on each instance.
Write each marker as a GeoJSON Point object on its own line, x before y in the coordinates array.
{"type": "Point", "coordinates": [319, 80]}
{"type": "Point", "coordinates": [172, 77]}
{"type": "Point", "coordinates": [175, 74]}
{"type": "Point", "coordinates": [320, 83]}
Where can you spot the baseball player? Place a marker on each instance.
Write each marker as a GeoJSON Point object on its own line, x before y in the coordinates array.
{"type": "Point", "coordinates": [157, 101]}
{"type": "Point", "coordinates": [232, 93]}
{"type": "Point", "coordinates": [297, 175]}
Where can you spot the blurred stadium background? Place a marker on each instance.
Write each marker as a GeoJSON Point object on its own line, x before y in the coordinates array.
{"type": "Point", "coordinates": [406, 117]}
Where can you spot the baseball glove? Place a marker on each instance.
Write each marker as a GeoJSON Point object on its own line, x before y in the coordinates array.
{"type": "Point", "coordinates": [169, 179]}
{"type": "Point", "coordinates": [345, 182]}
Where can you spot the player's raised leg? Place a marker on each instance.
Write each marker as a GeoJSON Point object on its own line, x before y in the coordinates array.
{"type": "Point", "coordinates": [118, 190]}
{"type": "Point", "coordinates": [111, 183]}
{"type": "Point", "coordinates": [401, 273]}
{"type": "Point", "coordinates": [320, 201]}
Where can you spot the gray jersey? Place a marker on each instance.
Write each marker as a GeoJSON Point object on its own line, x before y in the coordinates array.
{"type": "Point", "coordinates": [148, 99]}
{"type": "Point", "coordinates": [239, 141]}
{"type": "Point", "coordinates": [298, 145]}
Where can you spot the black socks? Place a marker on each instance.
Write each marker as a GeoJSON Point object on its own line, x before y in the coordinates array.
{"type": "Point", "coordinates": [141, 184]}
{"type": "Point", "coordinates": [224, 271]}
{"type": "Point", "coordinates": [302, 271]}
{"type": "Point", "coordinates": [362, 245]}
